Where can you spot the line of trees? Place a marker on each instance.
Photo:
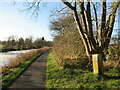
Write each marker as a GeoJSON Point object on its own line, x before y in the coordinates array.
{"type": "Point", "coordinates": [94, 22]}
{"type": "Point", "coordinates": [28, 43]}
{"type": "Point", "coordinates": [90, 22]}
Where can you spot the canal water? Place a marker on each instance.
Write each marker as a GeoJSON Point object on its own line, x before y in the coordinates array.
{"type": "Point", "coordinates": [7, 57]}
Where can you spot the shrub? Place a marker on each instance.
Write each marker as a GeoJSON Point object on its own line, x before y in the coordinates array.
{"type": "Point", "coordinates": [113, 57]}
{"type": "Point", "coordinates": [68, 45]}
{"type": "Point", "coordinates": [113, 52]}
{"type": "Point", "coordinates": [69, 51]}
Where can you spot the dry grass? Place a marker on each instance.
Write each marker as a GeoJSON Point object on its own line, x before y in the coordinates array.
{"type": "Point", "coordinates": [21, 58]}
{"type": "Point", "coordinates": [112, 64]}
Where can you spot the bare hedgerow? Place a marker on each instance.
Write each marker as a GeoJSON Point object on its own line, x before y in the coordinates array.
{"type": "Point", "coordinates": [68, 47]}
{"type": "Point", "coordinates": [113, 57]}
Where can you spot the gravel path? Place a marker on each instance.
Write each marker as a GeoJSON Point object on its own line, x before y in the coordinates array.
{"type": "Point", "coordinates": [34, 76]}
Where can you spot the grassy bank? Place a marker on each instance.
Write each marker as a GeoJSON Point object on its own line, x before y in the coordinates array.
{"type": "Point", "coordinates": [6, 50]}
{"type": "Point", "coordinates": [11, 74]}
{"type": "Point", "coordinates": [1, 46]}
{"type": "Point", "coordinates": [78, 78]}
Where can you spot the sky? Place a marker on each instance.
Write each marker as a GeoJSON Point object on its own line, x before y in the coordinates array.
{"type": "Point", "coordinates": [13, 21]}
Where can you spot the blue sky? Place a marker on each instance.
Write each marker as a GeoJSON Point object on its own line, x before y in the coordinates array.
{"type": "Point", "coordinates": [15, 22]}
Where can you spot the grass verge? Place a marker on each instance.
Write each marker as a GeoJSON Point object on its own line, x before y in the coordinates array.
{"type": "Point", "coordinates": [13, 73]}
{"type": "Point", "coordinates": [57, 77]}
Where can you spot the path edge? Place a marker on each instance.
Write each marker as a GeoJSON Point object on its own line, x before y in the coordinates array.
{"type": "Point", "coordinates": [41, 53]}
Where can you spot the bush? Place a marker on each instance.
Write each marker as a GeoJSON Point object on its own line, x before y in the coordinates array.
{"type": "Point", "coordinates": [113, 52]}
{"type": "Point", "coordinates": [113, 57]}
{"type": "Point", "coordinates": [68, 47]}
{"type": "Point", "coordinates": [69, 51]}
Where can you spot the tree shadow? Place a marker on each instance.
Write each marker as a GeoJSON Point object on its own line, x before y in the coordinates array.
{"type": "Point", "coordinates": [110, 77]}
{"type": "Point", "coordinates": [67, 66]}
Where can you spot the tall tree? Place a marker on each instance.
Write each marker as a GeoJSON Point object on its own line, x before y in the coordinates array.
{"type": "Point", "coordinates": [83, 19]}
{"type": "Point", "coordinates": [38, 43]}
{"type": "Point", "coordinates": [85, 16]}
{"type": "Point", "coordinates": [29, 43]}
{"type": "Point", "coordinates": [20, 43]}
{"type": "Point", "coordinates": [11, 42]}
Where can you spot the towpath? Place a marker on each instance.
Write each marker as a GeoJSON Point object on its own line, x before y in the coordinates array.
{"type": "Point", "coordinates": [34, 76]}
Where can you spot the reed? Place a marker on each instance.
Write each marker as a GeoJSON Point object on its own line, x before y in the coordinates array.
{"type": "Point", "coordinates": [21, 58]}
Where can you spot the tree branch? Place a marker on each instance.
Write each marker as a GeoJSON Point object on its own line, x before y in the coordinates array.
{"type": "Point", "coordinates": [92, 40]}
{"type": "Point", "coordinates": [84, 21]}
{"type": "Point", "coordinates": [82, 8]}
{"type": "Point", "coordinates": [96, 20]}
{"type": "Point", "coordinates": [80, 29]}
{"type": "Point", "coordinates": [103, 20]}
{"type": "Point", "coordinates": [68, 4]}
{"type": "Point", "coordinates": [110, 23]}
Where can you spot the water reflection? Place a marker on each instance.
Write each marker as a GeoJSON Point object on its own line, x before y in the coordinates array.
{"type": "Point", "coordinates": [6, 58]}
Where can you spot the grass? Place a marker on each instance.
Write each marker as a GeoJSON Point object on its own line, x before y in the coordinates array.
{"type": "Point", "coordinates": [58, 77]}
{"type": "Point", "coordinates": [2, 46]}
{"type": "Point", "coordinates": [11, 74]}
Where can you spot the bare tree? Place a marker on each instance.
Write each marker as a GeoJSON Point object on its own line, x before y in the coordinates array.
{"type": "Point", "coordinates": [11, 42]}
{"type": "Point", "coordinates": [93, 45]}
{"type": "Point", "coordinates": [88, 19]}
{"type": "Point", "coordinates": [38, 43]}
{"type": "Point", "coordinates": [20, 43]}
{"type": "Point", "coordinates": [29, 43]}
{"type": "Point", "coordinates": [85, 16]}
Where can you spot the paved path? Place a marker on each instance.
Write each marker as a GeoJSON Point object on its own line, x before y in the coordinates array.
{"type": "Point", "coordinates": [34, 76]}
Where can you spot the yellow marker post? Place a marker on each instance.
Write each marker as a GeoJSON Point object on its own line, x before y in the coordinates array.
{"type": "Point", "coordinates": [97, 64]}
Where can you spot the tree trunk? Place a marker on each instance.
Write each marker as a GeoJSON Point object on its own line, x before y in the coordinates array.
{"type": "Point", "coordinates": [84, 39]}
{"type": "Point", "coordinates": [86, 31]}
